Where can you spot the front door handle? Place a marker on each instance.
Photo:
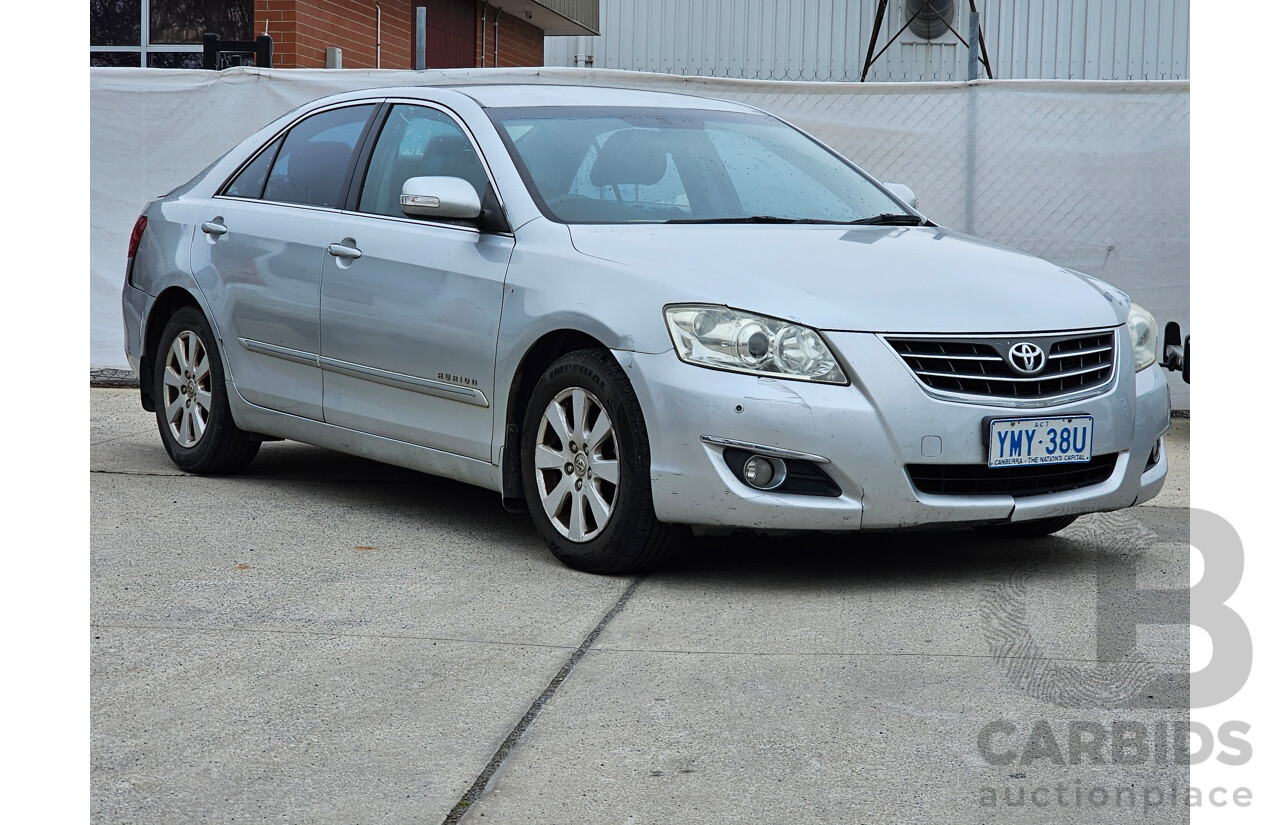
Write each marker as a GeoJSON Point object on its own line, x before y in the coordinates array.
{"type": "Point", "coordinates": [214, 228]}
{"type": "Point", "coordinates": [338, 250]}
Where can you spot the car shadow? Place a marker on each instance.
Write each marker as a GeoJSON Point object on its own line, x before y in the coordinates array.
{"type": "Point", "coordinates": [906, 558]}
{"type": "Point", "coordinates": [387, 491]}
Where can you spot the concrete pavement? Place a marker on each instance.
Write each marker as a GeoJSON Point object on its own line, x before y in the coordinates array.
{"type": "Point", "coordinates": [325, 639]}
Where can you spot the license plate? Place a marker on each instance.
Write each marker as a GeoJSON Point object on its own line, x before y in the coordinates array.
{"type": "Point", "coordinates": [1017, 442]}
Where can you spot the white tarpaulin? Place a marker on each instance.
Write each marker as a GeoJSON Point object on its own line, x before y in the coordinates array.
{"type": "Point", "coordinates": [1092, 175]}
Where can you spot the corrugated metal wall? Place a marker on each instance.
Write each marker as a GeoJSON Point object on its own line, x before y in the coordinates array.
{"type": "Point", "coordinates": [827, 40]}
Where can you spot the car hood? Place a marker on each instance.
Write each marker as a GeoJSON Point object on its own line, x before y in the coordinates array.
{"type": "Point", "coordinates": [857, 278]}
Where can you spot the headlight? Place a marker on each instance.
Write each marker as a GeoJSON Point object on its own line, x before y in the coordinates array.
{"type": "Point", "coordinates": [1142, 332]}
{"type": "Point", "coordinates": [727, 339]}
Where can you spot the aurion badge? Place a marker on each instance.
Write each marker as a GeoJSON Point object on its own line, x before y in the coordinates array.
{"type": "Point", "coordinates": [1026, 358]}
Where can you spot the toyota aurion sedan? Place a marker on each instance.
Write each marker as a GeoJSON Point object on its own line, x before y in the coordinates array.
{"type": "Point", "coordinates": [631, 312]}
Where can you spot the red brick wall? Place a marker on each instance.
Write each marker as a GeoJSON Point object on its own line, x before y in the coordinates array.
{"type": "Point", "coordinates": [519, 43]}
{"type": "Point", "coordinates": [302, 29]}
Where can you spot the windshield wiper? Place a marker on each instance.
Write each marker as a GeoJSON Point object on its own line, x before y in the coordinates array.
{"type": "Point", "coordinates": [890, 219]}
{"type": "Point", "coordinates": [750, 219]}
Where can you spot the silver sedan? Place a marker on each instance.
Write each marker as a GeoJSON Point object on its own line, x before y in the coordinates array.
{"type": "Point", "coordinates": [631, 312]}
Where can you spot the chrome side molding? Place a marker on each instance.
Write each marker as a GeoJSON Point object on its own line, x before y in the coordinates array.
{"type": "Point", "coordinates": [761, 449]}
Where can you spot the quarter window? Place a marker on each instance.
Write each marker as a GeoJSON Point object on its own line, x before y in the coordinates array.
{"type": "Point", "coordinates": [249, 183]}
{"type": "Point", "coordinates": [316, 157]}
{"type": "Point", "coordinates": [417, 141]}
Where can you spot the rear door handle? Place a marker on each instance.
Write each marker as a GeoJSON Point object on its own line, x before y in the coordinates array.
{"type": "Point", "coordinates": [213, 228]}
{"type": "Point", "coordinates": [337, 250]}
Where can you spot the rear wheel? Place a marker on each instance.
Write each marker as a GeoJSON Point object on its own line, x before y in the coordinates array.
{"type": "Point", "coordinates": [190, 389]}
{"type": "Point", "coordinates": [1028, 529]}
{"type": "Point", "coordinates": [585, 465]}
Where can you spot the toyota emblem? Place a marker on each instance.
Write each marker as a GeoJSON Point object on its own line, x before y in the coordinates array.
{"type": "Point", "coordinates": [1026, 358]}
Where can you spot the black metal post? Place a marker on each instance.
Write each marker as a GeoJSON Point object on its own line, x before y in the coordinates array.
{"type": "Point", "coordinates": [265, 51]}
{"type": "Point", "coordinates": [210, 50]}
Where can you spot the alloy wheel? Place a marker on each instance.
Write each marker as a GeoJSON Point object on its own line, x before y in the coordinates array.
{"type": "Point", "coordinates": [187, 389]}
{"type": "Point", "coordinates": [576, 463]}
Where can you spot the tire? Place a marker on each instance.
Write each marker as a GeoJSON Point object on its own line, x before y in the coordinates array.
{"type": "Point", "coordinates": [590, 498]}
{"type": "Point", "coordinates": [191, 405]}
{"type": "Point", "coordinates": [1028, 529]}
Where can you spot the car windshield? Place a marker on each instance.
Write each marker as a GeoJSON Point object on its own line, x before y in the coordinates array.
{"type": "Point", "coordinates": [647, 165]}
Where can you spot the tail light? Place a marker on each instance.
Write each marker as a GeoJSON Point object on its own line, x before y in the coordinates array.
{"type": "Point", "coordinates": [135, 238]}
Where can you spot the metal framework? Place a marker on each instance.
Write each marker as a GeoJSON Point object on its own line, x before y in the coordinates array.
{"type": "Point", "coordinates": [219, 54]}
{"type": "Point", "coordinates": [928, 4]}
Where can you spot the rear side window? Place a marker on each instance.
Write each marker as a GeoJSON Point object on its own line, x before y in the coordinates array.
{"type": "Point", "coordinates": [249, 183]}
{"type": "Point", "coordinates": [417, 141]}
{"type": "Point", "coordinates": [316, 157]}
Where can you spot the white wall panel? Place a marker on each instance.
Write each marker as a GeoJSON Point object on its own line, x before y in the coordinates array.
{"type": "Point", "coordinates": [1092, 176]}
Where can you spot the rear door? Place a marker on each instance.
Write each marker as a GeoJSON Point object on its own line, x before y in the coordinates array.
{"type": "Point", "coordinates": [260, 251]}
{"type": "Point", "coordinates": [409, 307]}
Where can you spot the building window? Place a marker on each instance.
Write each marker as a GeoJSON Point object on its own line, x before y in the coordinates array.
{"type": "Point", "coordinates": [162, 34]}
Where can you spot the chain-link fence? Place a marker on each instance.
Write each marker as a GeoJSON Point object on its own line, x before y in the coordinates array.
{"type": "Point", "coordinates": [1093, 176]}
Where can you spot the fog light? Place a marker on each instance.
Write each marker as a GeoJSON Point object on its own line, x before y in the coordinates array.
{"type": "Point", "coordinates": [764, 473]}
{"type": "Point", "coordinates": [758, 471]}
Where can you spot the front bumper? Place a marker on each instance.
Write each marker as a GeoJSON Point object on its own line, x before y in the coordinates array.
{"type": "Point", "coordinates": [869, 432]}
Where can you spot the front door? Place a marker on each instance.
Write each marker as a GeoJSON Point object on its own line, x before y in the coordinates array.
{"type": "Point", "coordinates": [409, 308]}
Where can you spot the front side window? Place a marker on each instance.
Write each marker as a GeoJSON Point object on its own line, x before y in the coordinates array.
{"type": "Point", "coordinates": [315, 159]}
{"type": "Point", "coordinates": [417, 141]}
{"type": "Point", "coordinates": [640, 165]}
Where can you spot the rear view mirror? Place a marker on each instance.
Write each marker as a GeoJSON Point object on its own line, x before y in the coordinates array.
{"type": "Point", "coordinates": [903, 193]}
{"type": "Point", "coordinates": [1177, 351]}
{"type": "Point", "coordinates": [439, 197]}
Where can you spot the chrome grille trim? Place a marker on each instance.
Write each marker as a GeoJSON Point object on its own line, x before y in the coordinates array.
{"type": "Point", "coordinates": [973, 368]}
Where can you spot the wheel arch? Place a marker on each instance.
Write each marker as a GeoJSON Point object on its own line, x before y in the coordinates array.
{"type": "Point", "coordinates": [540, 355]}
{"type": "Point", "coordinates": [166, 304]}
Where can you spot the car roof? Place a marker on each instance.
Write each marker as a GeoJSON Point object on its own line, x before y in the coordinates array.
{"type": "Point", "coordinates": [506, 95]}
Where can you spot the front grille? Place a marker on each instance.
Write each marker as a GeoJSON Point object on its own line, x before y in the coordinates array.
{"type": "Point", "coordinates": [1034, 480]}
{"type": "Point", "coordinates": [1075, 363]}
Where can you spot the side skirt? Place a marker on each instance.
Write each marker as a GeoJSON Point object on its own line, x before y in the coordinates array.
{"type": "Point", "coordinates": [255, 419]}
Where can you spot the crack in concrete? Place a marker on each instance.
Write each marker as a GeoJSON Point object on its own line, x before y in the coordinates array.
{"type": "Point", "coordinates": [866, 654]}
{"type": "Point", "coordinates": [513, 738]}
{"type": "Point", "coordinates": [673, 651]}
{"type": "Point", "coordinates": [324, 634]}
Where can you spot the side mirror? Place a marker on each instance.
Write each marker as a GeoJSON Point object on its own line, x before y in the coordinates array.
{"type": "Point", "coordinates": [1177, 351]}
{"type": "Point", "coordinates": [439, 197]}
{"type": "Point", "coordinates": [903, 193]}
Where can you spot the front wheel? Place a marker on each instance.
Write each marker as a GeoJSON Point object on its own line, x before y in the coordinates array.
{"type": "Point", "coordinates": [191, 400]}
{"type": "Point", "coordinates": [584, 458]}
